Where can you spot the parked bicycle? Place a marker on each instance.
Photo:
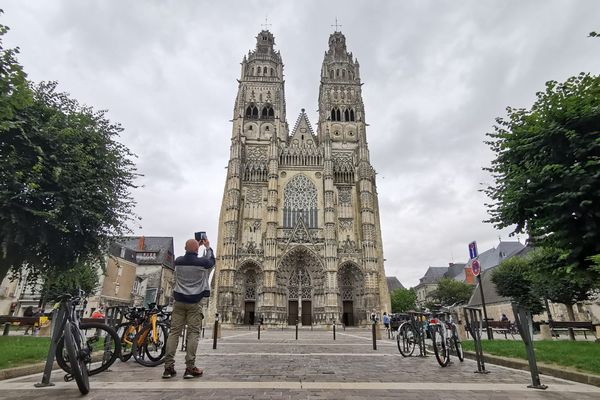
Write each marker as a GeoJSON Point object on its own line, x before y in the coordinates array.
{"type": "Point", "coordinates": [411, 334]}
{"type": "Point", "coordinates": [149, 343]}
{"type": "Point", "coordinates": [444, 337]}
{"type": "Point", "coordinates": [84, 349]}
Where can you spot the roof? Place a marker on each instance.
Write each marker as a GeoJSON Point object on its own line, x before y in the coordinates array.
{"type": "Point", "coordinates": [494, 256]}
{"type": "Point", "coordinates": [393, 283]}
{"type": "Point", "coordinates": [433, 275]}
{"type": "Point", "coordinates": [489, 290]}
{"type": "Point", "coordinates": [456, 271]}
{"type": "Point", "coordinates": [151, 250]}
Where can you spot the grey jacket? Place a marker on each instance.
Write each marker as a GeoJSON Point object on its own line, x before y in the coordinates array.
{"type": "Point", "coordinates": [191, 276]}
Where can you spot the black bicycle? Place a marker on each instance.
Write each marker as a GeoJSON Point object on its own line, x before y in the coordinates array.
{"type": "Point", "coordinates": [84, 349]}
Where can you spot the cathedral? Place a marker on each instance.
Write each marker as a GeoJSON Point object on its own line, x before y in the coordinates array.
{"type": "Point", "coordinates": [299, 232]}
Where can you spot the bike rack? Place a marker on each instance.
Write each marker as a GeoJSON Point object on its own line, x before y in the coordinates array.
{"type": "Point", "coordinates": [473, 317]}
{"type": "Point", "coordinates": [58, 317]}
{"type": "Point", "coordinates": [522, 319]}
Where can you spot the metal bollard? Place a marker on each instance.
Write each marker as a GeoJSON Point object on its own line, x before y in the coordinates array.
{"type": "Point", "coordinates": [183, 337]}
{"type": "Point", "coordinates": [215, 330]}
{"type": "Point", "coordinates": [374, 337]}
{"type": "Point", "coordinates": [6, 329]}
{"type": "Point", "coordinates": [258, 331]}
{"type": "Point", "coordinates": [296, 331]}
{"type": "Point", "coordinates": [333, 330]}
{"type": "Point", "coordinates": [202, 333]}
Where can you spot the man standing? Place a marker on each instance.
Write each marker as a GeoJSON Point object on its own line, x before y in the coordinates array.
{"type": "Point", "coordinates": [191, 286]}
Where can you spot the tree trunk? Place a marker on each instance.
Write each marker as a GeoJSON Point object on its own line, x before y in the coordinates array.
{"type": "Point", "coordinates": [571, 315]}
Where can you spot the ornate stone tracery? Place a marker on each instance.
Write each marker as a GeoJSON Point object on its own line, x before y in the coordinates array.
{"type": "Point", "coordinates": [299, 236]}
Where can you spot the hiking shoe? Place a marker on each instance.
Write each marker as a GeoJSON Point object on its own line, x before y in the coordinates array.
{"type": "Point", "coordinates": [192, 373]}
{"type": "Point", "coordinates": [169, 373]}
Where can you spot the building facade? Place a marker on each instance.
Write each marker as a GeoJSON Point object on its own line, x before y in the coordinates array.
{"type": "Point", "coordinates": [299, 232]}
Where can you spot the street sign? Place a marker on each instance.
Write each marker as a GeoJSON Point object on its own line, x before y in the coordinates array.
{"type": "Point", "coordinates": [473, 250]}
{"type": "Point", "coordinates": [476, 268]}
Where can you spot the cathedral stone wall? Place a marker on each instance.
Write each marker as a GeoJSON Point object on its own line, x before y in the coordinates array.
{"type": "Point", "coordinates": [299, 235]}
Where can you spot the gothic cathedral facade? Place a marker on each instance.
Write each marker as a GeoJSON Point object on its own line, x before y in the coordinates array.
{"type": "Point", "coordinates": [299, 232]}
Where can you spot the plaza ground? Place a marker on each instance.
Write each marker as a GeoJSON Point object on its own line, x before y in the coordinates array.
{"type": "Point", "coordinates": [312, 367]}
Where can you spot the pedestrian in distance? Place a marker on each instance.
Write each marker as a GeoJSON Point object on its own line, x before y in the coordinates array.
{"type": "Point", "coordinates": [191, 286]}
{"type": "Point", "coordinates": [386, 320]}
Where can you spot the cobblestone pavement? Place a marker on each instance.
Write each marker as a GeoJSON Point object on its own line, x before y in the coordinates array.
{"type": "Point", "coordinates": [313, 367]}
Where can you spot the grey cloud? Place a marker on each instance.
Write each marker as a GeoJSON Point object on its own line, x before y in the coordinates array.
{"type": "Point", "coordinates": [435, 73]}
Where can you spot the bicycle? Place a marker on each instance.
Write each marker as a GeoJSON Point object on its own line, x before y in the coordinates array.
{"type": "Point", "coordinates": [128, 330]}
{"type": "Point", "coordinates": [81, 343]}
{"type": "Point", "coordinates": [149, 344]}
{"type": "Point", "coordinates": [445, 339]}
{"type": "Point", "coordinates": [410, 334]}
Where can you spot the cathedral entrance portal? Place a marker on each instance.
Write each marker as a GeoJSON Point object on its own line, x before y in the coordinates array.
{"type": "Point", "coordinates": [300, 275]}
{"type": "Point", "coordinates": [351, 285]}
{"type": "Point", "coordinates": [249, 313]}
{"type": "Point", "coordinates": [299, 295]}
{"type": "Point", "coordinates": [292, 312]}
{"type": "Point", "coordinates": [348, 313]}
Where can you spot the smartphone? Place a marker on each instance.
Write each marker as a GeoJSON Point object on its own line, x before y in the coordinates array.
{"type": "Point", "coordinates": [199, 236]}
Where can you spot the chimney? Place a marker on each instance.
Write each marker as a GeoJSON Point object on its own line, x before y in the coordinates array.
{"type": "Point", "coordinates": [141, 243]}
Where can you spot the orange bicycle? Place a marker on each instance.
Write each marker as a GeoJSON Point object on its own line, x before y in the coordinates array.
{"type": "Point", "coordinates": [128, 330]}
{"type": "Point", "coordinates": [149, 343]}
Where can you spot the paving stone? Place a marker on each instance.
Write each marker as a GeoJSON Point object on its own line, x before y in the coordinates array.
{"type": "Point", "coordinates": [313, 367]}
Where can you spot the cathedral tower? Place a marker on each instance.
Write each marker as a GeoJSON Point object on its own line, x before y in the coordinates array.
{"type": "Point", "coordinates": [299, 236]}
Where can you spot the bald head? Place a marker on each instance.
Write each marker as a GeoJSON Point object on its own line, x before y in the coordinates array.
{"type": "Point", "coordinates": [192, 246]}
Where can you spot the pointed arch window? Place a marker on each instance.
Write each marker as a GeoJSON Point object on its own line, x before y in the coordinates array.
{"type": "Point", "coordinates": [252, 111]}
{"type": "Point", "coordinates": [300, 201]}
{"type": "Point", "coordinates": [336, 114]}
{"type": "Point", "coordinates": [267, 112]}
{"type": "Point", "coordinates": [264, 70]}
{"type": "Point", "coordinates": [346, 115]}
{"type": "Point", "coordinates": [351, 114]}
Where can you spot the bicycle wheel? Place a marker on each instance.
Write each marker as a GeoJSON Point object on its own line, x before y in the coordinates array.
{"type": "Point", "coordinates": [457, 345]}
{"type": "Point", "coordinates": [406, 339]}
{"type": "Point", "coordinates": [102, 344]}
{"type": "Point", "coordinates": [77, 358]}
{"type": "Point", "coordinates": [148, 350]}
{"type": "Point", "coordinates": [439, 346]}
{"type": "Point", "coordinates": [126, 332]}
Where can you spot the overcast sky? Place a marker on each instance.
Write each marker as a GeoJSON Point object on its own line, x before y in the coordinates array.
{"type": "Point", "coordinates": [435, 74]}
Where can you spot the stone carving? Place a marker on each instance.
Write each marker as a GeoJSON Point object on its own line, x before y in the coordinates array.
{"type": "Point", "coordinates": [257, 154]}
{"type": "Point", "coordinates": [345, 196]}
{"type": "Point", "coordinates": [250, 248]}
{"type": "Point", "coordinates": [345, 224]}
{"type": "Point", "coordinates": [253, 195]}
{"type": "Point", "coordinates": [347, 246]}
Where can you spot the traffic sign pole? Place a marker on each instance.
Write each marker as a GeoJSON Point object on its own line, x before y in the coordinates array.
{"type": "Point", "coordinates": [487, 328]}
{"type": "Point", "coordinates": [476, 269]}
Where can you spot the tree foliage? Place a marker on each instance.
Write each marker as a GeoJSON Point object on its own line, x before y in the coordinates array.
{"type": "Point", "coordinates": [513, 279]}
{"type": "Point", "coordinates": [450, 291]}
{"type": "Point", "coordinates": [64, 179]}
{"type": "Point", "coordinates": [546, 170]}
{"type": "Point", "coordinates": [551, 281]}
{"type": "Point", "coordinates": [403, 300]}
{"type": "Point", "coordinates": [81, 277]}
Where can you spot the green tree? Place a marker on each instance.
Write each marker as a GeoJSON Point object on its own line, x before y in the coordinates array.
{"type": "Point", "coordinates": [450, 291]}
{"type": "Point", "coordinates": [403, 300]}
{"type": "Point", "coordinates": [513, 279]}
{"type": "Point", "coordinates": [64, 179]}
{"type": "Point", "coordinates": [552, 282]}
{"type": "Point", "coordinates": [546, 170]}
{"type": "Point", "coordinates": [83, 277]}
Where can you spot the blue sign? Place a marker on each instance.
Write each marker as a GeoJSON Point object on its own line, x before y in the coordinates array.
{"type": "Point", "coordinates": [473, 250]}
